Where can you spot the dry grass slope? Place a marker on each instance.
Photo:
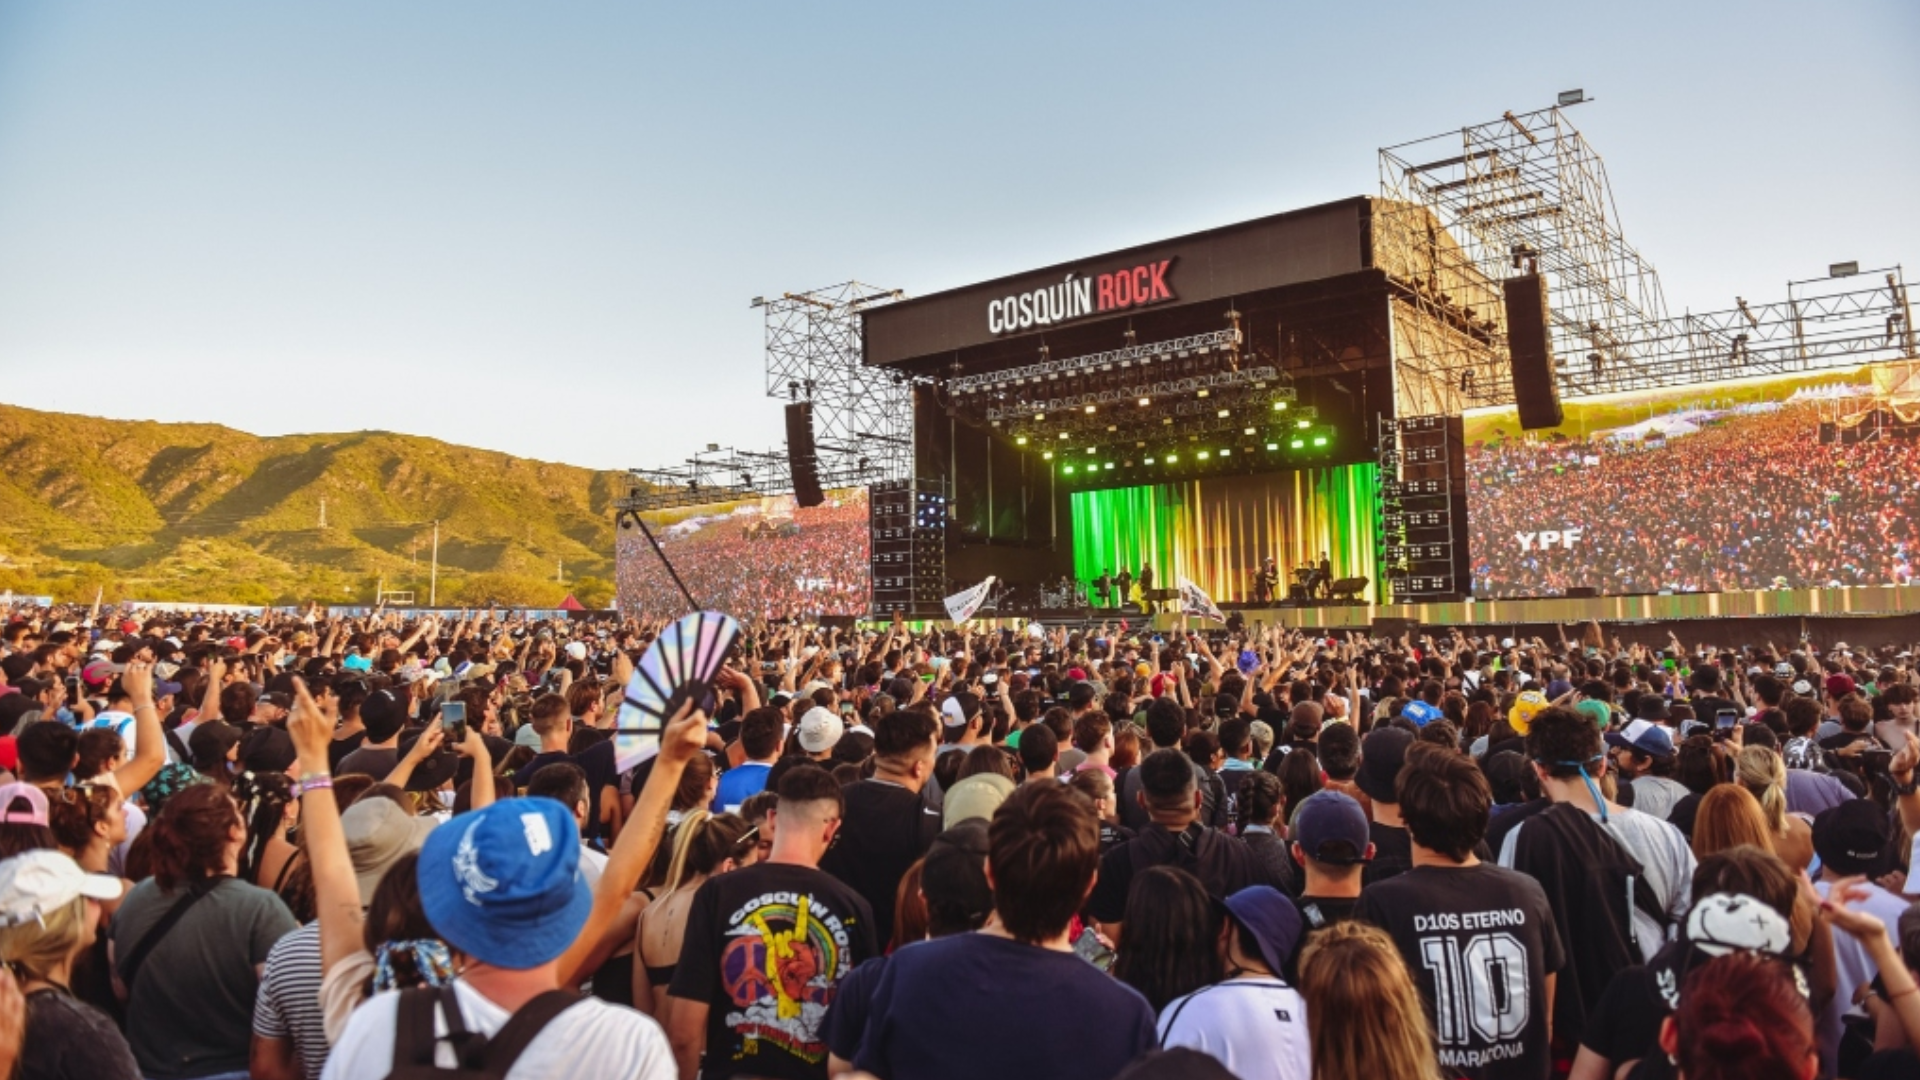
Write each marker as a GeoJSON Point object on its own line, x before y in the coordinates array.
{"type": "Point", "coordinates": [201, 512]}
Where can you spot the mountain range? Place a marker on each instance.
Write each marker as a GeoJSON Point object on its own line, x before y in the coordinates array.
{"type": "Point", "coordinates": [139, 510]}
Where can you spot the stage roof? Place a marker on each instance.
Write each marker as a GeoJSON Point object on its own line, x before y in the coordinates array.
{"type": "Point", "coordinates": [969, 324]}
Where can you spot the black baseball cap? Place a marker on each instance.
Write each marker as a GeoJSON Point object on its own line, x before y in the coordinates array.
{"type": "Point", "coordinates": [1382, 753]}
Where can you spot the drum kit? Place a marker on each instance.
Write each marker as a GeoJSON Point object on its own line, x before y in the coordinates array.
{"type": "Point", "coordinates": [1063, 595]}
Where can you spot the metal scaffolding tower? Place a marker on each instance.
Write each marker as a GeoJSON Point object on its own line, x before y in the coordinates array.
{"type": "Point", "coordinates": [1460, 213]}
{"type": "Point", "coordinates": [863, 417]}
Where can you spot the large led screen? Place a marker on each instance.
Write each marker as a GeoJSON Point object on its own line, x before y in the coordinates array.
{"type": "Point", "coordinates": [1219, 531]}
{"type": "Point", "coordinates": [1760, 483]}
{"type": "Point", "coordinates": [757, 558]}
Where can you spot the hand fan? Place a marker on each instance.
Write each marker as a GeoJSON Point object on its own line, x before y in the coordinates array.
{"type": "Point", "coordinates": [678, 667]}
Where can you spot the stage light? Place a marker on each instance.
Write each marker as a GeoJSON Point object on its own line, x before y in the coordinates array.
{"type": "Point", "coordinates": [1089, 410]}
{"type": "Point", "coordinates": [1249, 431]}
{"type": "Point", "coordinates": [1297, 444]}
{"type": "Point", "coordinates": [1063, 435]}
{"type": "Point", "coordinates": [1279, 406]}
{"type": "Point", "coordinates": [1021, 441]}
{"type": "Point", "coordinates": [1273, 446]}
{"type": "Point", "coordinates": [1048, 456]}
{"type": "Point", "coordinates": [1069, 470]}
{"type": "Point", "coordinates": [1319, 440]}
{"type": "Point", "coordinates": [1224, 413]}
{"type": "Point", "coordinates": [1144, 402]}
{"type": "Point", "coordinates": [1039, 416]}
{"type": "Point", "coordinates": [1303, 424]}
{"type": "Point", "coordinates": [1109, 465]}
{"type": "Point", "coordinates": [1203, 455]}
{"type": "Point", "coordinates": [1203, 392]}
{"type": "Point", "coordinates": [1148, 460]}
{"type": "Point", "coordinates": [1171, 458]}
{"type": "Point", "coordinates": [1226, 453]}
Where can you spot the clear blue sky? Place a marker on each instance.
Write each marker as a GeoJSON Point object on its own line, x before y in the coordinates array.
{"type": "Point", "coordinates": [536, 227]}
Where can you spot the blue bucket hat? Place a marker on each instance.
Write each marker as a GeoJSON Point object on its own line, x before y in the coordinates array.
{"type": "Point", "coordinates": [1272, 919]}
{"type": "Point", "coordinates": [503, 884]}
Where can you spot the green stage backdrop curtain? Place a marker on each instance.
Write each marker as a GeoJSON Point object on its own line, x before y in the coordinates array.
{"type": "Point", "coordinates": [1217, 530]}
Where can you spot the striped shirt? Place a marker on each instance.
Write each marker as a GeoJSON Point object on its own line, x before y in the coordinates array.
{"type": "Point", "coordinates": [288, 1004]}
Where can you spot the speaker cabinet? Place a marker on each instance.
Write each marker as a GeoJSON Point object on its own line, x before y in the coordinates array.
{"type": "Point", "coordinates": [1535, 391]}
{"type": "Point", "coordinates": [803, 460]}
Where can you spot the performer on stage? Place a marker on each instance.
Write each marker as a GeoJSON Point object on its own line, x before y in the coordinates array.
{"type": "Point", "coordinates": [1146, 585]}
{"type": "Point", "coordinates": [1324, 578]}
{"type": "Point", "coordinates": [1123, 582]}
{"type": "Point", "coordinates": [1103, 588]}
{"type": "Point", "coordinates": [1266, 581]}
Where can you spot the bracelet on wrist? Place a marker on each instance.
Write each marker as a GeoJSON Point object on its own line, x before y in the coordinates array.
{"type": "Point", "coordinates": [317, 783]}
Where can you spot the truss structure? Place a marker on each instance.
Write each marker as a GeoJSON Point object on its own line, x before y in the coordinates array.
{"type": "Point", "coordinates": [1465, 210]}
{"type": "Point", "coordinates": [1460, 213]}
{"type": "Point", "coordinates": [713, 475]}
{"type": "Point", "coordinates": [863, 417]}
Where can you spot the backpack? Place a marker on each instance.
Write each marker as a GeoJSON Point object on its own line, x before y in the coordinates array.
{"type": "Point", "coordinates": [414, 1041]}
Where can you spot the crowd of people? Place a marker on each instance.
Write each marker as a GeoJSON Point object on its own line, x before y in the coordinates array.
{"type": "Point", "coordinates": [295, 847]}
{"type": "Point", "coordinates": [1750, 501]}
{"type": "Point", "coordinates": [791, 561]}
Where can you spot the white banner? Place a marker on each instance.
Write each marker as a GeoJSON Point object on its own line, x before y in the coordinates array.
{"type": "Point", "coordinates": [962, 605]}
{"type": "Point", "coordinates": [1195, 601]}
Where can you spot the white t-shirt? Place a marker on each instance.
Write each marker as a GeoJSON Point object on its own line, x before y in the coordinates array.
{"type": "Point", "coordinates": [1850, 960]}
{"type": "Point", "coordinates": [1256, 1027]}
{"type": "Point", "coordinates": [592, 865]}
{"type": "Point", "coordinates": [592, 1038]}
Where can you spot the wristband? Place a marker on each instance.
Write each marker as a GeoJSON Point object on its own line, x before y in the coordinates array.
{"type": "Point", "coordinates": [306, 776]}
{"type": "Point", "coordinates": [316, 783]}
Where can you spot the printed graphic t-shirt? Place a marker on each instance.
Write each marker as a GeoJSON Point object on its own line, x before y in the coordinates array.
{"type": "Point", "coordinates": [766, 948]}
{"type": "Point", "coordinates": [1480, 942]}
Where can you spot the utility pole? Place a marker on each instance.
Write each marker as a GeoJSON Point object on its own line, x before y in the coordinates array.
{"type": "Point", "coordinates": [323, 511]}
{"type": "Point", "coordinates": [433, 581]}
{"type": "Point", "coordinates": [559, 573]}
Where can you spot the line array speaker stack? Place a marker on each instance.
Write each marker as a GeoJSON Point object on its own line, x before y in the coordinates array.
{"type": "Point", "coordinates": [1423, 508]}
{"type": "Point", "coordinates": [803, 460]}
{"type": "Point", "coordinates": [1535, 391]}
{"type": "Point", "coordinates": [907, 525]}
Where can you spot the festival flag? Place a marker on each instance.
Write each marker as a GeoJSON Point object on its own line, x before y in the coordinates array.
{"type": "Point", "coordinates": [1195, 601]}
{"type": "Point", "coordinates": [962, 605]}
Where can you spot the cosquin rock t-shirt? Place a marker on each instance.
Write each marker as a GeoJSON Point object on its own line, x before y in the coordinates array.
{"type": "Point", "coordinates": [766, 948]}
{"type": "Point", "coordinates": [1480, 942]}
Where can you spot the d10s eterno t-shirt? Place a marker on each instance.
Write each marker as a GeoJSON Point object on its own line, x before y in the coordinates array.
{"type": "Point", "coordinates": [766, 948]}
{"type": "Point", "coordinates": [1480, 942]}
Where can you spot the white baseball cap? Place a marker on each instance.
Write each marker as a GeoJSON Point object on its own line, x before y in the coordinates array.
{"type": "Point", "coordinates": [820, 730]}
{"type": "Point", "coordinates": [37, 883]}
{"type": "Point", "coordinates": [577, 650]}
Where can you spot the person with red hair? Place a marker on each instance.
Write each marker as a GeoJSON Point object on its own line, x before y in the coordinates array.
{"type": "Point", "coordinates": [1741, 1018]}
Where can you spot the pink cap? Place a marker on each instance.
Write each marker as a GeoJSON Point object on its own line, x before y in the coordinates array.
{"type": "Point", "coordinates": [35, 812]}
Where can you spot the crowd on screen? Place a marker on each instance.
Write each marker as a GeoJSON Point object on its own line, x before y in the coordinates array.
{"type": "Point", "coordinates": [812, 562]}
{"type": "Point", "coordinates": [295, 846]}
{"type": "Point", "coordinates": [1748, 502]}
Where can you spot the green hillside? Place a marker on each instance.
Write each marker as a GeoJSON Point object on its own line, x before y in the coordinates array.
{"type": "Point", "coordinates": [199, 512]}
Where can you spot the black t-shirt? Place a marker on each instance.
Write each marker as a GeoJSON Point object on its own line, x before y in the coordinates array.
{"type": "Point", "coordinates": [1480, 942]}
{"type": "Point", "coordinates": [338, 749]}
{"type": "Point", "coordinates": [1222, 863]}
{"type": "Point", "coordinates": [1625, 1023]}
{"type": "Point", "coordinates": [1320, 912]}
{"type": "Point", "coordinates": [596, 761]}
{"type": "Point", "coordinates": [65, 1038]}
{"type": "Point", "coordinates": [1112, 836]}
{"type": "Point", "coordinates": [1392, 853]}
{"type": "Point", "coordinates": [883, 828]}
{"type": "Point", "coordinates": [766, 948]}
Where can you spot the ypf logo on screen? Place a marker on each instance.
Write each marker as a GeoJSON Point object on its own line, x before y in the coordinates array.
{"type": "Point", "coordinates": [1564, 538]}
{"type": "Point", "coordinates": [1078, 297]}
